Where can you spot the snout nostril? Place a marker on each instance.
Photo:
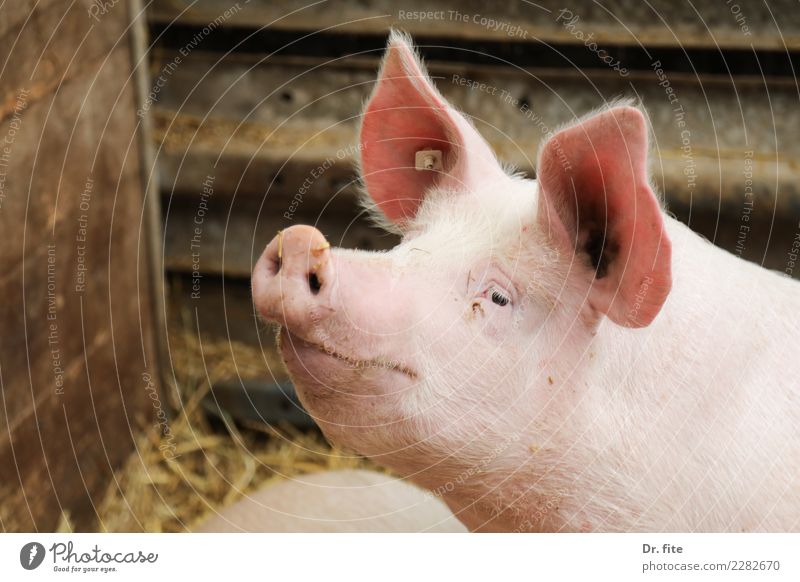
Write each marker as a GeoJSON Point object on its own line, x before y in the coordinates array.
{"type": "Point", "coordinates": [273, 266]}
{"type": "Point", "coordinates": [314, 283]}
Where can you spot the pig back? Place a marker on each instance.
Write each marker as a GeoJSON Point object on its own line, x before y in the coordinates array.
{"type": "Point", "coordinates": [336, 501]}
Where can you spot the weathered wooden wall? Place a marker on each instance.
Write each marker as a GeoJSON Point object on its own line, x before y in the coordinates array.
{"type": "Point", "coordinates": [75, 290]}
{"type": "Point", "coordinates": [705, 23]}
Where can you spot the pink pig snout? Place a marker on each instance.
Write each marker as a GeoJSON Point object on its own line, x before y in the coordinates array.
{"type": "Point", "coordinates": [292, 280]}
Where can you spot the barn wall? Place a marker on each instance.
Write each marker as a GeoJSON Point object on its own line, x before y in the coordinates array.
{"type": "Point", "coordinates": [76, 346]}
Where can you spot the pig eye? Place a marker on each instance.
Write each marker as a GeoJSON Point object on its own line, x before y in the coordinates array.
{"type": "Point", "coordinates": [499, 298]}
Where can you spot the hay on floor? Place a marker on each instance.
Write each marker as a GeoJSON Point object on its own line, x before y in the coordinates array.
{"type": "Point", "coordinates": [172, 483]}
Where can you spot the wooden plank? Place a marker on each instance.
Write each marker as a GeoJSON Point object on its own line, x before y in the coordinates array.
{"type": "Point", "coordinates": [222, 311]}
{"type": "Point", "coordinates": [697, 24]}
{"type": "Point", "coordinates": [76, 319]}
{"type": "Point", "coordinates": [227, 235]}
{"type": "Point", "coordinates": [140, 47]}
{"type": "Point", "coordinates": [254, 122]}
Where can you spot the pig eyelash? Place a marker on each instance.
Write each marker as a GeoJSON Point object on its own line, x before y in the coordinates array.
{"type": "Point", "coordinates": [499, 298]}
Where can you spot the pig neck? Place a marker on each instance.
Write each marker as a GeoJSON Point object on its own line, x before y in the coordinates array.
{"type": "Point", "coordinates": [632, 389]}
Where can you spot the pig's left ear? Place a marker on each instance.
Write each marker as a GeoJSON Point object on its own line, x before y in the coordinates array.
{"type": "Point", "coordinates": [596, 200]}
{"type": "Point", "coordinates": [406, 115]}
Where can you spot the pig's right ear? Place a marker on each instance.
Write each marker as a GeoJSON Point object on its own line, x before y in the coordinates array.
{"type": "Point", "coordinates": [406, 115]}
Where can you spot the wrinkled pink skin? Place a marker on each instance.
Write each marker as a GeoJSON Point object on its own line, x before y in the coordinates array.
{"type": "Point", "coordinates": [556, 412]}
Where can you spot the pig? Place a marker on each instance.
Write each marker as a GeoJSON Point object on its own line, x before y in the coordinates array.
{"type": "Point", "coordinates": [556, 354]}
{"type": "Point", "coordinates": [336, 501]}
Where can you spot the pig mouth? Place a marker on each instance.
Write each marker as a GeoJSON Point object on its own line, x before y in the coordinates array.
{"type": "Point", "coordinates": [285, 337]}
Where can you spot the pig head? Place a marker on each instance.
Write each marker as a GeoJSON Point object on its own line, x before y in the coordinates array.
{"type": "Point", "coordinates": [478, 357]}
